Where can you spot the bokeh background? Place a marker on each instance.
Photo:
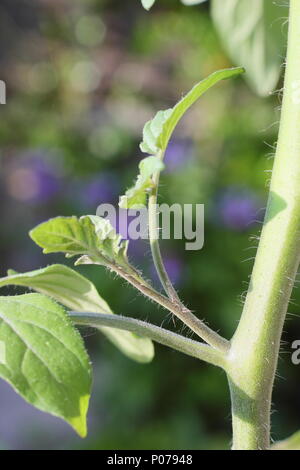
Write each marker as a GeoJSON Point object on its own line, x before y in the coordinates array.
{"type": "Point", "coordinates": [82, 78]}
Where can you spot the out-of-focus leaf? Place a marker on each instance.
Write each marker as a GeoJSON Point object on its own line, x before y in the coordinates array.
{"type": "Point", "coordinates": [43, 357]}
{"type": "Point", "coordinates": [158, 131]}
{"type": "Point", "coordinates": [135, 197]}
{"type": "Point", "coordinates": [192, 2]}
{"type": "Point", "coordinates": [252, 34]}
{"type": "Point", "coordinates": [78, 293]}
{"type": "Point", "coordinates": [147, 4]}
{"type": "Point", "coordinates": [291, 443]}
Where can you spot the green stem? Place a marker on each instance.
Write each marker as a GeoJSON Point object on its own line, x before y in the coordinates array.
{"type": "Point", "coordinates": [160, 335]}
{"type": "Point", "coordinates": [154, 239]}
{"type": "Point", "coordinates": [176, 306]}
{"type": "Point", "coordinates": [184, 314]}
{"type": "Point", "coordinates": [255, 345]}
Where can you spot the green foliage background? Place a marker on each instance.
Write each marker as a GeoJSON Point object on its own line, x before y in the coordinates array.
{"type": "Point", "coordinates": [83, 78]}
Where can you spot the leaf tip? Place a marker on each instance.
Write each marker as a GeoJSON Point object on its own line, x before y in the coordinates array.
{"type": "Point", "coordinates": [79, 423]}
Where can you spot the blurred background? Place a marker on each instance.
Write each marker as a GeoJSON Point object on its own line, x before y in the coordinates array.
{"type": "Point", "coordinates": [82, 78]}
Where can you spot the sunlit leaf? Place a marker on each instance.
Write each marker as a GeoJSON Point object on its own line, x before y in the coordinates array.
{"type": "Point", "coordinates": [78, 293]}
{"type": "Point", "coordinates": [291, 443]}
{"type": "Point", "coordinates": [89, 235]}
{"type": "Point", "coordinates": [135, 197]}
{"type": "Point", "coordinates": [158, 131]}
{"type": "Point", "coordinates": [253, 36]}
{"type": "Point", "coordinates": [156, 136]}
{"type": "Point", "coordinates": [43, 357]}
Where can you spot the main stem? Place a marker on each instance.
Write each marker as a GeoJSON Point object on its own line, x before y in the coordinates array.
{"type": "Point", "coordinates": [255, 345]}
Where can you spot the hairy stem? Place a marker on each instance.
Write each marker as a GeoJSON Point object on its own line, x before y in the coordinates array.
{"type": "Point", "coordinates": [255, 345]}
{"type": "Point", "coordinates": [154, 239]}
{"type": "Point", "coordinates": [184, 314]}
{"type": "Point", "coordinates": [175, 305]}
{"type": "Point", "coordinates": [160, 335]}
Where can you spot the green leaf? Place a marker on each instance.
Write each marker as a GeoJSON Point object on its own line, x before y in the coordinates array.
{"type": "Point", "coordinates": [147, 4]}
{"type": "Point", "coordinates": [291, 443]}
{"type": "Point", "coordinates": [158, 131]}
{"type": "Point", "coordinates": [43, 357]}
{"type": "Point", "coordinates": [156, 136]}
{"type": "Point", "coordinates": [135, 197]}
{"type": "Point", "coordinates": [78, 293]}
{"type": "Point", "coordinates": [90, 235]}
{"type": "Point", "coordinates": [252, 35]}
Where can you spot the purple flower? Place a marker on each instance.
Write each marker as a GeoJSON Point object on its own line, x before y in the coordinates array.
{"type": "Point", "coordinates": [32, 178]}
{"type": "Point", "coordinates": [238, 208]}
{"type": "Point", "coordinates": [102, 188]}
{"type": "Point", "coordinates": [174, 267]}
{"type": "Point", "coordinates": [177, 154]}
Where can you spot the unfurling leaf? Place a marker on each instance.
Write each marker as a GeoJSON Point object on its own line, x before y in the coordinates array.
{"type": "Point", "coordinates": [147, 4]}
{"type": "Point", "coordinates": [135, 197]}
{"type": "Point", "coordinates": [43, 357]}
{"type": "Point", "coordinates": [252, 35]}
{"type": "Point", "coordinates": [156, 136]}
{"type": "Point", "coordinates": [158, 131]}
{"type": "Point", "coordinates": [78, 293]}
{"type": "Point", "coordinates": [90, 236]}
